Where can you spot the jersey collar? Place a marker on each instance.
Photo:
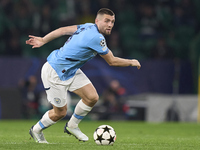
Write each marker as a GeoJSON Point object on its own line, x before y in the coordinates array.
{"type": "Point", "coordinates": [96, 27]}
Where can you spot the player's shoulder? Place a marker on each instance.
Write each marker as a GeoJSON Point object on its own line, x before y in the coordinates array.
{"type": "Point", "coordinates": [93, 30]}
{"type": "Point", "coordinates": [92, 33]}
{"type": "Point", "coordinates": [98, 37]}
{"type": "Point", "coordinates": [86, 25]}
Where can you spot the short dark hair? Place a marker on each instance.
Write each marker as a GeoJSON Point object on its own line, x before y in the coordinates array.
{"type": "Point", "coordinates": [107, 11]}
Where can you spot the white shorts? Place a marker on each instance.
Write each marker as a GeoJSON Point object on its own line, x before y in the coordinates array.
{"type": "Point", "coordinates": [56, 89]}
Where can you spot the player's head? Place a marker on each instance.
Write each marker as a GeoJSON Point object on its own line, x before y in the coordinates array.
{"type": "Point", "coordinates": [105, 20]}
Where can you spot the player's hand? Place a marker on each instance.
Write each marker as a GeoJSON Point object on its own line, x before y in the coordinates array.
{"type": "Point", "coordinates": [136, 63]}
{"type": "Point", "coordinates": [35, 41]}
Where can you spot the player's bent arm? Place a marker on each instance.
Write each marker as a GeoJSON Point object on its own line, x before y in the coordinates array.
{"type": "Point", "coordinates": [69, 30]}
{"type": "Point", "coordinates": [120, 62]}
{"type": "Point", "coordinates": [40, 41]}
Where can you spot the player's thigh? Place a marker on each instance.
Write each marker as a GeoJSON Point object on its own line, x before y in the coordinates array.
{"type": "Point", "coordinates": [83, 87]}
{"type": "Point", "coordinates": [88, 93]}
{"type": "Point", "coordinates": [56, 89]}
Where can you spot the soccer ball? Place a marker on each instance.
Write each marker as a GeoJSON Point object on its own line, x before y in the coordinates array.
{"type": "Point", "coordinates": [104, 135]}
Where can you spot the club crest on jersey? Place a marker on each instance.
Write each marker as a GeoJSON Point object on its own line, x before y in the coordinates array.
{"type": "Point", "coordinates": [57, 100]}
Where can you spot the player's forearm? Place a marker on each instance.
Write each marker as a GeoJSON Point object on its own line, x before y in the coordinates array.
{"type": "Point", "coordinates": [69, 30]}
{"type": "Point", "coordinates": [52, 35]}
{"type": "Point", "coordinates": [120, 62]}
{"type": "Point", "coordinates": [116, 61]}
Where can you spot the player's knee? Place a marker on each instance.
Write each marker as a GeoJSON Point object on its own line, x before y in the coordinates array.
{"type": "Point", "coordinates": [59, 114]}
{"type": "Point", "coordinates": [94, 98]}
{"type": "Point", "coordinates": [63, 114]}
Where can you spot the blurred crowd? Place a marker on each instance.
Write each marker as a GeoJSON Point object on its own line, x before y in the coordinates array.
{"type": "Point", "coordinates": [144, 29]}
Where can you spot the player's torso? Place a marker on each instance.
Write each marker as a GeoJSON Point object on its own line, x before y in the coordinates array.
{"type": "Point", "coordinates": [75, 52]}
{"type": "Point", "coordinates": [76, 48]}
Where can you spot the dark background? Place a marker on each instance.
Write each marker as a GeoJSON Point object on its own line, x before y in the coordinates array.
{"type": "Point", "coordinates": [162, 34]}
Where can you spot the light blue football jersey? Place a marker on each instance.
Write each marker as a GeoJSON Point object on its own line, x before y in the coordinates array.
{"type": "Point", "coordinates": [82, 46]}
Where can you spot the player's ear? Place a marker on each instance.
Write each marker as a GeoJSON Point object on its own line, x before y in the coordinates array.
{"type": "Point", "coordinates": [96, 20]}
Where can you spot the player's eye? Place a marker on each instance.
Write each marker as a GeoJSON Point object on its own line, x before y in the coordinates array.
{"type": "Point", "coordinates": [107, 20]}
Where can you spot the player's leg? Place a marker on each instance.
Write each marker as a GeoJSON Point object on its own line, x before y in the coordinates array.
{"type": "Point", "coordinates": [89, 97]}
{"type": "Point", "coordinates": [57, 113]}
{"type": "Point", "coordinates": [56, 95]}
{"type": "Point", "coordinates": [48, 119]}
{"type": "Point", "coordinates": [83, 87]}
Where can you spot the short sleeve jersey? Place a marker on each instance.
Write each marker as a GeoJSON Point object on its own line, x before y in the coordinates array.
{"type": "Point", "coordinates": [82, 46]}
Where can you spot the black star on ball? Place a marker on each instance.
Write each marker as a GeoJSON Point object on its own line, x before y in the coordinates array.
{"type": "Point", "coordinates": [106, 129]}
{"type": "Point", "coordinates": [100, 138]}
{"type": "Point", "coordinates": [111, 139]}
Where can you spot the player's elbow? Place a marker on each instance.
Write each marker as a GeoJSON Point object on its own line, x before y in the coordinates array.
{"type": "Point", "coordinates": [110, 59]}
{"type": "Point", "coordinates": [111, 63]}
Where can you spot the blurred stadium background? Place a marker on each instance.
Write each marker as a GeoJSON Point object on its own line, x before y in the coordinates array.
{"type": "Point", "coordinates": [162, 34]}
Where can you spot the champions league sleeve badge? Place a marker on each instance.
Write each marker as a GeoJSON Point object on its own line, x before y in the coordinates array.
{"type": "Point", "coordinates": [103, 44]}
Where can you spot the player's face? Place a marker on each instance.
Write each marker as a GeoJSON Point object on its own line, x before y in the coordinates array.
{"type": "Point", "coordinates": [105, 24]}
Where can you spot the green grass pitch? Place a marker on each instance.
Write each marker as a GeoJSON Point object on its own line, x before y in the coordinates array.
{"type": "Point", "coordinates": [130, 135]}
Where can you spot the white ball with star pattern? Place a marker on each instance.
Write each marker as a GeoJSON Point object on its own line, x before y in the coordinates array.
{"type": "Point", "coordinates": [104, 135]}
